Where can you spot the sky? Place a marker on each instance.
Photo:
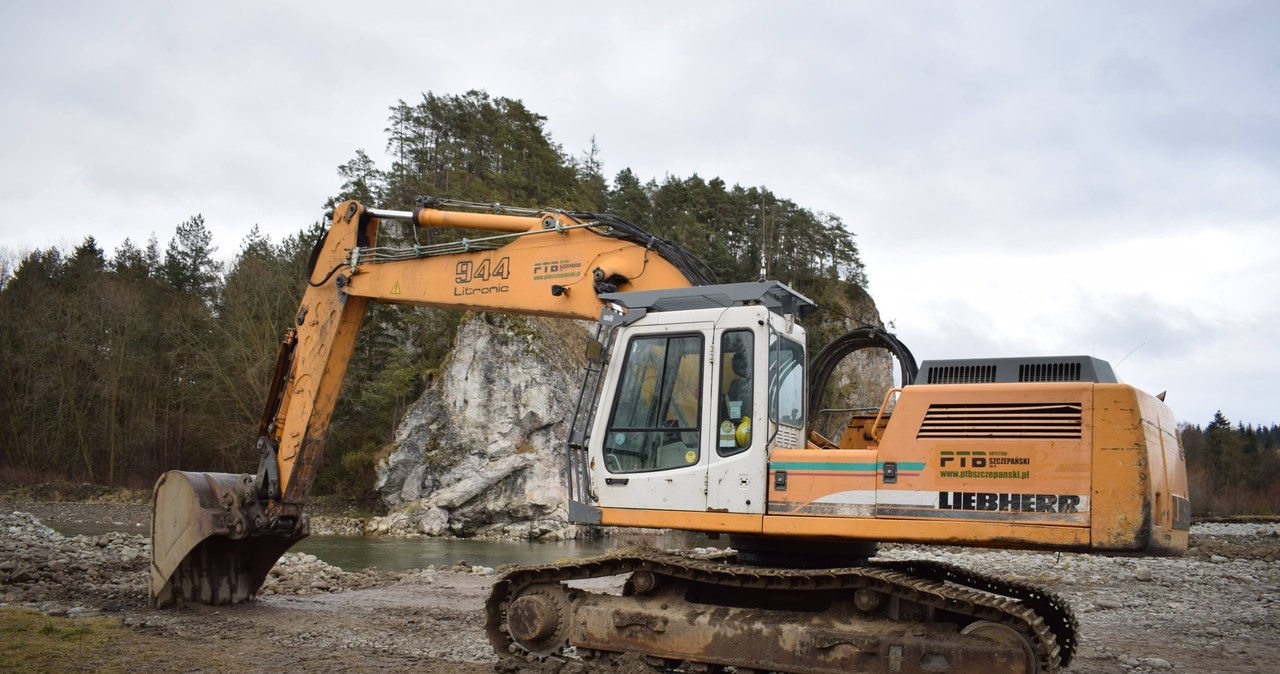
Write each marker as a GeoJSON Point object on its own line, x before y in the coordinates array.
{"type": "Point", "coordinates": [1023, 177]}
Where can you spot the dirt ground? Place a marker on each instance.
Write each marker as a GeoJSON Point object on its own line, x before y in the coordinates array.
{"type": "Point", "coordinates": [78, 604]}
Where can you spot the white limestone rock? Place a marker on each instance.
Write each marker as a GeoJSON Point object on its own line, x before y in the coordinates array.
{"type": "Point", "coordinates": [481, 452]}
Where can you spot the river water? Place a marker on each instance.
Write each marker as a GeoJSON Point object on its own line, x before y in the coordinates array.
{"type": "Point", "coordinates": [355, 553]}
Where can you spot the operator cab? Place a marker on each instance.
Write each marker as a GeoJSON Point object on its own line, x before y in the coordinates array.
{"type": "Point", "coordinates": [702, 383]}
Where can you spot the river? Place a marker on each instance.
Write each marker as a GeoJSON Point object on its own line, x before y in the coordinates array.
{"type": "Point", "coordinates": [355, 553]}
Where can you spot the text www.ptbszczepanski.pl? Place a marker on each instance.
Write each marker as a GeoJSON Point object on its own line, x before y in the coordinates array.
{"type": "Point", "coordinates": [1007, 474]}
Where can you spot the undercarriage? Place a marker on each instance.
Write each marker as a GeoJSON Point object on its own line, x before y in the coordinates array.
{"type": "Point", "coordinates": [706, 614]}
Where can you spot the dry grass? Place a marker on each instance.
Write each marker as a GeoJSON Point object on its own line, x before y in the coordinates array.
{"type": "Point", "coordinates": [34, 642]}
{"type": "Point", "coordinates": [21, 485]}
{"type": "Point", "coordinates": [1210, 500]}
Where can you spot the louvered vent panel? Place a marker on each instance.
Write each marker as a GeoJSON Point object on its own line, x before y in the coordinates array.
{"type": "Point", "coordinates": [1047, 421]}
{"type": "Point", "coordinates": [1049, 372]}
{"type": "Point", "coordinates": [787, 437]}
{"type": "Point", "coordinates": [962, 374]}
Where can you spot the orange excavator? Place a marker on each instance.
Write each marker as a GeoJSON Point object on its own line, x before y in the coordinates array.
{"type": "Point", "coordinates": [698, 412]}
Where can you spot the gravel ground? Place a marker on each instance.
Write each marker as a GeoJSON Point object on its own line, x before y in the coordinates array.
{"type": "Point", "coordinates": [1215, 610]}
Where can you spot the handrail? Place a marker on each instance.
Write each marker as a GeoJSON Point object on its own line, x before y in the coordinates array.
{"type": "Point", "coordinates": [875, 428]}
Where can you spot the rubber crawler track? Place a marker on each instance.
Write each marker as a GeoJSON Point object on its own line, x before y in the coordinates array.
{"type": "Point", "coordinates": [1042, 617]}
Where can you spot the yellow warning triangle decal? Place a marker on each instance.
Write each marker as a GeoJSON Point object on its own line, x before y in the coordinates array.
{"type": "Point", "coordinates": [395, 289]}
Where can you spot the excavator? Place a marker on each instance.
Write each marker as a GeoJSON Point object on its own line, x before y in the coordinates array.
{"type": "Point", "coordinates": [699, 411]}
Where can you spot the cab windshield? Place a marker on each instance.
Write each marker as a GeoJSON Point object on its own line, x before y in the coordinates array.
{"type": "Point", "coordinates": [655, 423]}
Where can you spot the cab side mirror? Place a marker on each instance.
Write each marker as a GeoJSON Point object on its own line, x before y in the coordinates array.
{"type": "Point", "coordinates": [595, 351]}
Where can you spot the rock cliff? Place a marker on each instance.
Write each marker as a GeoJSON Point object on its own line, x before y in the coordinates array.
{"type": "Point", "coordinates": [481, 451]}
{"type": "Point", "coordinates": [863, 377]}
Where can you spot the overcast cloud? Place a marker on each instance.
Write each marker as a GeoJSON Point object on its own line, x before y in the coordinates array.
{"type": "Point", "coordinates": [1024, 178]}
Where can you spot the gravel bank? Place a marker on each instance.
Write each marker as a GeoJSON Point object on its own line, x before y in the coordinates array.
{"type": "Point", "coordinates": [1215, 610]}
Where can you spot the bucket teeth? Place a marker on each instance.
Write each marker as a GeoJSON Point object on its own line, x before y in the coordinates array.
{"type": "Point", "coordinates": [207, 544]}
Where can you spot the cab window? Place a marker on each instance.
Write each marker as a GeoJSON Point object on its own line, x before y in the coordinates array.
{"type": "Point", "coordinates": [737, 358]}
{"type": "Point", "coordinates": [654, 424]}
{"type": "Point", "coordinates": [786, 381]}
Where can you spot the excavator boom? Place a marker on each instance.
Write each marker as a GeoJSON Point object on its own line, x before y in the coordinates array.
{"type": "Point", "coordinates": [215, 536]}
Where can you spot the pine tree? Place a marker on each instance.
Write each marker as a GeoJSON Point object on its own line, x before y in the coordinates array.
{"type": "Point", "coordinates": [361, 181]}
{"type": "Point", "coordinates": [629, 199]}
{"type": "Point", "coordinates": [189, 266]}
{"type": "Point", "coordinates": [593, 190]}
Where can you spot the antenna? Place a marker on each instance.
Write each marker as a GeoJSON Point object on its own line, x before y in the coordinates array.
{"type": "Point", "coordinates": [1126, 356]}
{"type": "Point", "coordinates": [764, 266]}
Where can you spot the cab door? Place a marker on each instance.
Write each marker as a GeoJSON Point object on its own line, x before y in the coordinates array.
{"type": "Point", "coordinates": [653, 424]}
{"type": "Point", "coordinates": [737, 470]}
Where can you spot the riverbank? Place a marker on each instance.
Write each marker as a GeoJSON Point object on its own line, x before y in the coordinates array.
{"type": "Point", "coordinates": [88, 505]}
{"type": "Point", "coordinates": [79, 604]}
{"type": "Point", "coordinates": [135, 514]}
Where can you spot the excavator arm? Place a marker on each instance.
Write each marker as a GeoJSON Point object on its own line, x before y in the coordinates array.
{"type": "Point", "coordinates": [215, 536]}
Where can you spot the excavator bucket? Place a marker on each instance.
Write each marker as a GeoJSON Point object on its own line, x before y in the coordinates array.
{"type": "Point", "coordinates": [206, 545]}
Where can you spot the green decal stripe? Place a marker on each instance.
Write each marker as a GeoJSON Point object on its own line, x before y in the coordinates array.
{"type": "Point", "coordinates": [846, 467]}
{"type": "Point", "coordinates": [908, 465]}
{"type": "Point", "coordinates": [815, 465]}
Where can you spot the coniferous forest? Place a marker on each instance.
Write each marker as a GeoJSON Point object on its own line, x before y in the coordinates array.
{"type": "Point", "coordinates": [1233, 469]}
{"type": "Point", "coordinates": [118, 365]}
